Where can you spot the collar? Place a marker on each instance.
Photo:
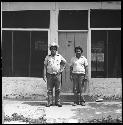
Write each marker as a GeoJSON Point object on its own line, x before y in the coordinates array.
{"type": "Point", "coordinates": [79, 58]}
{"type": "Point", "coordinates": [55, 55]}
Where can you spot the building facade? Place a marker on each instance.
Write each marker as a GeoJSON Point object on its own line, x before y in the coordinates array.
{"type": "Point", "coordinates": [29, 27]}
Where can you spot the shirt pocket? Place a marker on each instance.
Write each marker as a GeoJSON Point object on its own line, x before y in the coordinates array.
{"type": "Point", "coordinates": [49, 62]}
{"type": "Point", "coordinates": [57, 62]}
{"type": "Point", "coordinates": [82, 63]}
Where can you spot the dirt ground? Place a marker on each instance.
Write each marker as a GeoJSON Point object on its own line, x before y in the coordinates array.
{"type": "Point", "coordinates": [25, 112]}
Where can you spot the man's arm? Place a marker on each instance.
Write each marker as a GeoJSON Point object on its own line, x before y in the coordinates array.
{"type": "Point", "coordinates": [45, 70]}
{"type": "Point", "coordinates": [86, 68]}
{"type": "Point", "coordinates": [45, 73]}
{"type": "Point", "coordinates": [86, 72]}
{"type": "Point", "coordinates": [71, 69]}
{"type": "Point", "coordinates": [62, 65]}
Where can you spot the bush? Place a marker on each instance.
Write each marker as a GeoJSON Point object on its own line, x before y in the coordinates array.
{"type": "Point", "coordinates": [16, 117]}
{"type": "Point", "coordinates": [108, 119]}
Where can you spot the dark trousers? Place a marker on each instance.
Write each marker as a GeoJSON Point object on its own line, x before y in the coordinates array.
{"type": "Point", "coordinates": [53, 81]}
{"type": "Point", "coordinates": [78, 84]}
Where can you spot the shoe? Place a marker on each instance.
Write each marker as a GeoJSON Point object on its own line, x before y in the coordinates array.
{"type": "Point", "coordinates": [82, 103]}
{"type": "Point", "coordinates": [75, 104]}
{"type": "Point", "coordinates": [99, 100]}
{"type": "Point", "coordinates": [48, 105]}
{"type": "Point", "coordinates": [58, 104]}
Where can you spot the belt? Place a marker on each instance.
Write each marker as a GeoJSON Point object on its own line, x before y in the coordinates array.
{"type": "Point", "coordinates": [78, 74]}
{"type": "Point", "coordinates": [53, 74]}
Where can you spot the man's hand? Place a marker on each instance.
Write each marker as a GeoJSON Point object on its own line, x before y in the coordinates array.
{"type": "Point", "coordinates": [86, 77]}
{"type": "Point", "coordinates": [59, 72]}
{"type": "Point", "coordinates": [62, 63]}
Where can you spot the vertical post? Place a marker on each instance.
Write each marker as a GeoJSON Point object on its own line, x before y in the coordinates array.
{"type": "Point", "coordinates": [54, 24]}
{"type": "Point", "coordinates": [1, 46]}
{"type": "Point", "coordinates": [107, 54]}
{"type": "Point", "coordinates": [89, 46]}
{"type": "Point", "coordinates": [89, 52]}
{"type": "Point", "coordinates": [30, 56]}
{"type": "Point", "coordinates": [48, 41]}
{"type": "Point", "coordinates": [2, 111]}
{"type": "Point", "coordinates": [96, 62]}
{"type": "Point", "coordinates": [12, 55]}
{"type": "Point", "coordinates": [1, 24]}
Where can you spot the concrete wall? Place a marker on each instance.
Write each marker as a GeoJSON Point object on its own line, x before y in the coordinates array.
{"type": "Point", "coordinates": [35, 88]}
{"type": "Point", "coordinates": [106, 87]}
{"type": "Point", "coordinates": [24, 88]}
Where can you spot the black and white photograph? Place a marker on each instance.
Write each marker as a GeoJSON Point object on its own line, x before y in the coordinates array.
{"type": "Point", "coordinates": [61, 62]}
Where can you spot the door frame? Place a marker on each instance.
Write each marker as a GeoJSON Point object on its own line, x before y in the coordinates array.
{"type": "Point", "coordinates": [23, 29]}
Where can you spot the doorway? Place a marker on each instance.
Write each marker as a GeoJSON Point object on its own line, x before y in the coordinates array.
{"type": "Point", "coordinates": [67, 42]}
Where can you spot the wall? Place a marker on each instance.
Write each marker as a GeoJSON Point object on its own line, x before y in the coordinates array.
{"type": "Point", "coordinates": [24, 88]}
{"type": "Point", "coordinates": [35, 88]}
{"type": "Point", "coordinates": [106, 87]}
{"type": "Point", "coordinates": [14, 6]}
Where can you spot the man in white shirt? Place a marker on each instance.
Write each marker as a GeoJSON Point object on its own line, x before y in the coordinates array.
{"type": "Point", "coordinates": [78, 72]}
{"type": "Point", "coordinates": [54, 65]}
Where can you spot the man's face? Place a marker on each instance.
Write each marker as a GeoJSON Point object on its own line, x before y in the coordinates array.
{"type": "Point", "coordinates": [53, 50]}
{"type": "Point", "coordinates": [78, 52]}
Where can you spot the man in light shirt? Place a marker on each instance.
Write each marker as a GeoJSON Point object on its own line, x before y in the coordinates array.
{"type": "Point", "coordinates": [54, 65]}
{"type": "Point", "coordinates": [78, 72]}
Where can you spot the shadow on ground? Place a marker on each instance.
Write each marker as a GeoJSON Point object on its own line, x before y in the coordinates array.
{"type": "Point", "coordinates": [97, 111]}
{"type": "Point", "coordinates": [43, 103]}
{"type": "Point", "coordinates": [35, 103]}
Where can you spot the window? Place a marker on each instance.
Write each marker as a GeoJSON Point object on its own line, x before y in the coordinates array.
{"type": "Point", "coordinates": [73, 20]}
{"type": "Point", "coordinates": [23, 53]}
{"type": "Point", "coordinates": [6, 53]}
{"type": "Point", "coordinates": [26, 19]}
{"type": "Point", "coordinates": [114, 53]}
{"type": "Point", "coordinates": [105, 18]}
{"type": "Point", "coordinates": [39, 50]}
{"type": "Point", "coordinates": [106, 54]}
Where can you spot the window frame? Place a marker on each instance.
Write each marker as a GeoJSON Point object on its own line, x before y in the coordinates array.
{"type": "Point", "coordinates": [106, 29]}
{"type": "Point", "coordinates": [101, 25]}
{"type": "Point", "coordinates": [74, 29]}
{"type": "Point", "coordinates": [26, 16]}
{"type": "Point", "coordinates": [23, 29]}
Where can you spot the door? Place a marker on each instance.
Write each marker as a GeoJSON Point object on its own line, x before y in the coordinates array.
{"type": "Point", "coordinates": [67, 42]}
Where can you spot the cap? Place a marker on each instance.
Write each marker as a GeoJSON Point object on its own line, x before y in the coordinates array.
{"type": "Point", "coordinates": [53, 44]}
